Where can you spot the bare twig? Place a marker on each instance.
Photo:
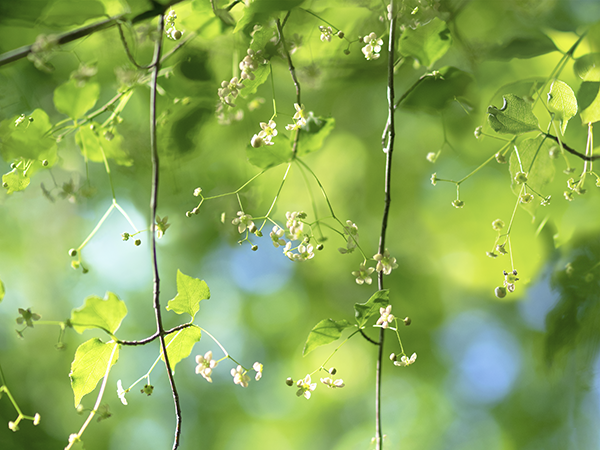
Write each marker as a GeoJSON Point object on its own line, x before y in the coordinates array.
{"type": "Point", "coordinates": [153, 206]}
{"type": "Point", "coordinates": [571, 150]}
{"type": "Point", "coordinates": [155, 335]}
{"type": "Point", "coordinates": [391, 135]}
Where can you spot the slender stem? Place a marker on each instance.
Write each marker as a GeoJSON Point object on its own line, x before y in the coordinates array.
{"type": "Point", "coordinates": [389, 149]}
{"type": "Point", "coordinates": [153, 207]}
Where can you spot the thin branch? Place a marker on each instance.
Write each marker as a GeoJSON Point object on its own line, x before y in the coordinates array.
{"type": "Point", "coordinates": [73, 35]}
{"type": "Point", "coordinates": [153, 206]}
{"type": "Point", "coordinates": [571, 150]}
{"type": "Point", "coordinates": [155, 335]}
{"type": "Point", "coordinates": [367, 337]}
{"type": "Point", "coordinates": [389, 149]}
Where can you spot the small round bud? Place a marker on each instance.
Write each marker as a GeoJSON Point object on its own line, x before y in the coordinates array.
{"type": "Point", "coordinates": [252, 228]}
{"type": "Point", "coordinates": [289, 381]}
{"type": "Point", "coordinates": [553, 152]}
{"type": "Point", "coordinates": [458, 203]}
{"type": "Point", "coordinates": [60, 346]}
{"type": "Point", "coordinates": [30, 119]}
{"type": "Point", "coordinates": [341, 34]}
{"type": "Point", "coordinates": [125, 236]}
{"type": "Point", "coordinates": [526, 198]}
{"type": "Point", "coordinates": [393, 357]}
{"type": "Point", "coordinates": [500, 292]}
{"type": "Point", "coordinates": [407, 321]}
{"type": "Point", "coordinates": [477, 132]}
{"type": "Point", "coordinates": [84, 270]}
{"type": "Point", "coordinates": [197, 191]}
{"type": "Point", "coordinates": [75, 264]}
{"type": "Point", "coordinates": [332, 371]}
{"type": "Point", "coordinates": [72, 252]}
{"type": "Point", "coordinates": [258, 233]}
{"type": "Point", "coordinates": [45, 163]}
{"type": "Point", "coordinates": [497, 224]}
{"type": "Point", "coordinates": [500, 159]}
{"type": "Point", "coordinates": [80, 409]}
{"type": "Point", "coordinates": [12, 426]}
{"type": "Point", "coordinates": [36, 419]}
{"type": "Point", "coordinates": [188, 214]}
{"type": "Point", "coordinates": [108, 135]}
{"type": "Point", "coordinates": [256, 141]}
{"type": "Point", "coordinates": [521, 177]}
{"type": "Point", "coordinates": [176, 35]}
{"type": "Point", "coordinates": [346, 52]}
{"type": "Point", "coordinates": [13, 165]}
{"type": "Point", "coordinates": [5, 184]}
{"type": "Point", "coordinates": [320, 247]}
{"type": "Point", "coordinates": [138, 242]}
{"type": "Point", "coordinates": [254, 247]}
{"type": "Point", "coordinates": [589, 278]}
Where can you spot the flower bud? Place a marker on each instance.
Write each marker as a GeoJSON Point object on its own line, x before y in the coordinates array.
{"type": "Point", "coordinates": [289, 381]}
{"type": "Point", "coordinates": [346, 52]}
{"type": "Point", "coordinates": [553, 152]}
{"type": "Point", "coordinates": [188, 214]}
{"type": "Point", "coordinates": [5, 184]}
{"type": "Point", "coordinates": [332, 371]}
{"type": "Point", "coordinates": [497, 224]}
{"type": "Point", "coordinates": [138, 242]}
{"type": "Point", "coordinates": [341, 34]}
{"type": "Point", "coordinates": [521, 177]}
{"type": "Point", "coordinates": [407, 321]}
{"type": "Point", "coordinates": [500, 292]}
{"type": "Point", "coordinates": [458, 203]}
{"type": "Point", "coordinates": [254, 247]}
{"type": "Point", "coordinates": [320, 247]}
{"type": "Point", "coordinates": [393, 357]}
{"type": "Point", "coordinates": [500, 159]}
{"type": "Point", "coordinates": [45, 163]}
{"type": "Point", "coordinates": [72, 252]}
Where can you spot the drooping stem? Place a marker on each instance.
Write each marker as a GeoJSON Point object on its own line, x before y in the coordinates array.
{"type": "Point", "coordinates": [388, 149]}
{"type": "Point", "coordinates": [153, 207]}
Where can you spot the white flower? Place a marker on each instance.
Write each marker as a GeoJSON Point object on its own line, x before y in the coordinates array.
{"type": "Point", "coordinates": [258, 367]}
{"type": "Point", "coordinates": [373, 47]}
{"type": "Point", "coordinates": [276, 236]}
{"type": "Point", "coordinates": [294, 225]}
{"type": "Point", "coordinates": [385, 262]}
{"type": "Point", "coordinates": [329, 382]}
{"type": "Point", "coordinates": [326, 33]}
{"type": "Point", "coordinates": [305, 387]}
{"type": "Point", "coordinates": [404, 361]}
{"type": "Point", "coordinates": [243, 221]}
{"type": "Point", "coordinates": [363, 274]}
{"type": "Point", "coordinates": [305, 252]}
{"type": "Point", "coordinates": [351, 230]}
{"type": "Point", "coordinates": [240, 376]}
{"type": "Point", "coordinates": [121, 392]}
{"type": "Point", "coordinates": [206, 365]}
{"type": "Point", "coordinates": [268, 130]}
{"type": "Point", "coordinates": [386, 317]}
{"type": "Point", "coordinates": [36, 419]}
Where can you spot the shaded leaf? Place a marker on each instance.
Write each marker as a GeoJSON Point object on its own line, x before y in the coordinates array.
{"type": "Point", "coordinates": [588, 67]}
{"type": "Point", "coordinates": [106, 314]}
{"type": "Point", "coordinates": [537, 163]}
{"type": "Point", "coordinates": [314, 133]}
{"type": "Point", "coordinates": [589, 101]}
{"type": "Point", "coordinates": [75, 101]}
{"type": "Point", "coordinates": [323, 333]}
{"type": "Point", "coordinates": [434, 93]}
{"type": "Point", "coordinates": [427, 43]}
{"type": "Point", "coordinates": [270, 155]}
{"type": "Point", "coordinates": [515, 116]}
{"type": "Point", "coordinates": [15, 180]}
{"type": "Point", "coordinates": [190, 292]}
{"type": "Point", "coordinates": [562, 102]}
{"type": "Point", "coordinates": [523, 48]}
{"type": "Point", "coordinates": [261, 74]}
{"type": "Point", "coordinates": [90, 365]}
{"type": "Point", "coordinates": [260, 11]}
{"type": "Point", "coordinates": [364, 311]}
{"type": "Point", "coordinates": [71, 12]}
{"type": "Point", "coordinates": [180, 344]}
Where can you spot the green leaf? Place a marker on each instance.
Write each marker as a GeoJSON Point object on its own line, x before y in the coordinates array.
{"type": "Point", "coordinates": [261, 74]}
{"type": "Point", "coordinates": [2, 290]}
{"type": "Point", "coordinates": [314, 133]}
{"type": "Point", "coordinates": [427, 43]}
{"type": "Point", "coordinates": [74, 100]}
{"type": "Point", "coordinates": [91, 362]}
{"type": "Point", "coordinates": [588, 67]}
{"type": "Point", "coordinates": [536, 162]}
{"type": "Point", "coordinates": [589, 101]}
{"type": "Point", "coordinates": [93, 143]}
{"type": "Point", "coordinates": [180, 344]}
{"type": "Point", "coordinates": [190, 292]}
{"type": "Point", "coordinates": [515, 116]}
{"type": "Point", "coordinates": [260, 11]}
{"type": "Point", "coordinates": [562, 102]}
{"type": "Point", "coordinates": [523, 47]}
{"type": "Point", "coordinates": [28, 140]}
{"type": "Point", "coordinates": [433, 93]}
{"type": "Point", "coordinates": [364, 311]}
{"type": "Point", "coordinates": [71, 12]}
{"type": "Point", "coordinates": [15, 180]}
{"type": "Point", "coordinates": [105, 314]}
{"type": "Point", "coordinates": [270, 155]}
{"type": "Point", "coordinates": [323, 333]}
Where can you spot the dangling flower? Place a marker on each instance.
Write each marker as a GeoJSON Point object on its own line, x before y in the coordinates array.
{"type": "Point", "coordinates": [240, 376]}
{"type": "Point", "coordinates": [258, 368]}
{"type": "Point", "coordinates": [386, 317]}
{"type": "Point", "coordinates": [305, 387]}
{"type": "Point", "coordinates": [385, 262]}
{"type": "Point", "coordinates": [206, 365]}
{"type": "Point", "coordinates": [404, 361]}
{"type": "Point", "coordinates": [373, 47]}
{"type": "Point", "coordinates": [363, 274]}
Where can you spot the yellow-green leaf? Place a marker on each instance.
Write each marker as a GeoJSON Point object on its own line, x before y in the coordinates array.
{"type": "Point", "coordinates": [180, 344]}
{"type": "Point", "coordinates": [515, 116]}
{"type": "Point", "coordinates": [92, 361]}
{"type": "Point", "coordinates": [323, 333]}
{"type": "Point", "coordinates": [74, 100]}
{"type": "Point", "coordinates": [190, 292]}
{"type": "Point", "coordinates": [105, 314]}
{"type": "Point", "coordinates": [562, 102]}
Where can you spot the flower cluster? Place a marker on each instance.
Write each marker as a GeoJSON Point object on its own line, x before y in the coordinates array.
{"type": "Point", "coordinates": [305, 387]}
{"type": "Point", "coordinates": [331, 383]}
{"type": "Point", "coordinates": [299, 117]}
{"type": "Point", "coordinates": [373, 47]}
{"type": "Point", "coordinates": [385, 262]}
{"type": "Point", "coordinates": [244, 222]}
{"type": "Point", "coordinates": [305, 251]}
{"type": "Point", "coordinates": [264, 136]}
{"type": "Point", "coordinates": [206, 365]}
{"type": "Point", "coordinates": [405, 361]}
{"type": "Point", "coordinates": [240, 376]}
{"type": "Point", "coordinates": [230, 90]}
{"type": "Point", "coordinates": [350, 230]}
{"type": "Point", "coordinates": [250, 63]}
{"type": "Point", "coordinates": [326, 33]}
{"type": "Point", "coordinates": [170, 30]}
{"type": "Point", "coordinates": [363, 274]}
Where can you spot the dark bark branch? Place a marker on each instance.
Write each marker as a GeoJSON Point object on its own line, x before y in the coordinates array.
{"type": "Point", "coordinates": [571, 150]}
{"type": "Point", "coordinates": [155, 335]}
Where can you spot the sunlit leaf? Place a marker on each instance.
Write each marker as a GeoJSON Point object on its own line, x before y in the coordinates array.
{"type": "Point", "coordinates": [270, 155]}
{"type": "Point", "coordinates": [74, 100]}
{"type": "Point", "coordinates": [588, 67]}
{"type": "Point", "coordinates": [589, 102]}
{"type": "Point", "coordinates": [28, 140]}
{"type": "Point", "coordinates": [562, 102]}
{"type": "Point", "coordinates": [180, 344]}
{"type": "Point", "coordinates": [323, 333]}
{"type": "Point", "coordinates": [190, 292]}
{"type": "Point", "coordinates": [15, 180]}
{"type": "Point", "coordinates": [90, 366]}
{"type": "Point", "coordinates": [106, 314]}
{"type": "Point", "coordinates": [364, 311]}
{"type": "Point", "coordinates": [537, 164]}
{"type": "Point", "coordinates": [426, 43]}
{"type": "Point", "coordinates": [314, 133]}
{"type": "Point", "coordinates": [94, 143]}
{"type": "Point", "coordinates": [515, 116]}
{"type": "Point", "coordinates": [62, 13]}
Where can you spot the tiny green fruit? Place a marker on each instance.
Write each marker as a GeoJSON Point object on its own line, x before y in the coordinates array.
{"type": "Point", "coordinates": [138, 242]}
{"type": "Point", "coordinates": [500, 292]}
{"type": "Point", "coordinates": [289, 381]}
{"type": "Point", "coordinates": [72, 252]}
